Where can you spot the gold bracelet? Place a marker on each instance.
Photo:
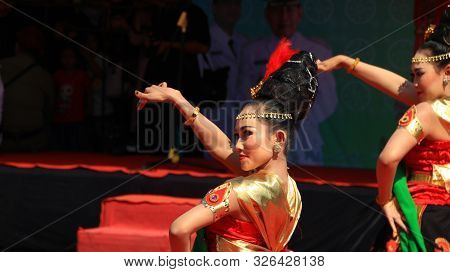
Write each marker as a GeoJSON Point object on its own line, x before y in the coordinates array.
{"type": "Point", "coordinates": [354, 64]}
{"type": "Point", "coordinates": [194, 115]}
{"type": "Point", "coordinates": [382, 204]}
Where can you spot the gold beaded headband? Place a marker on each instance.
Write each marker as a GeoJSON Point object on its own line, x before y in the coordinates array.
{"type": "Point", "coordinates": [266, 115]}
{"type": "Point", "coordinates": [431, 59]}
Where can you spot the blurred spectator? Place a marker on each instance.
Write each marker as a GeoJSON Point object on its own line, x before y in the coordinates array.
{"type": "Point", "coordinates": [9, 24]}
{"type": "Point", "coordinates": [284, 16]}
{"type": "Point", "coordinates": [93, 65]}
{"type": "Point", "coordinates": [92, 62]}
{"type": "Point", "coordinates": [141, 31]}
{"type": "Point", "coordinates": [120, 50]}
{"type": "Point", "coordinates": [72, 87]}
{"type": "Point", "coordinates": [28, 98]}
{"type": "Point", "coordinates": [174, 53]}
{"type": "Point", "coordinates": [70, 21]}
{"type": "Point", "coordinates": [173, 58]}
{"type": "Point", "coordinates": [219, 66]}
{"type": "Point", "coordinates": [2, 91]}
{"type": "Point", "coordinates": [118, 84]}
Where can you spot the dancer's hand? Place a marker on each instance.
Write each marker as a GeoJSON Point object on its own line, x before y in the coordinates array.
{"type": "Point", "coordinates": [155, 93]}
{"type": "Point", "coordinates": [394, 217]}
{"type": "Point", "coordinates": [332, 63]}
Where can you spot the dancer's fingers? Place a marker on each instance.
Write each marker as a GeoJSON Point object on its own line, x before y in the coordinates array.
{"type": "Point", "coordinates": [163, 84]}
{"type": "Point", "coordinates": [393, 227]}
{"type": "Point", "coordinates": [401, 224]}
{"type": "Point", "coordinates": [139, 94]}
{"type": "Point", "coordinates": [148, 89]}
{"type": "Point", "coordinates": [141, 104]}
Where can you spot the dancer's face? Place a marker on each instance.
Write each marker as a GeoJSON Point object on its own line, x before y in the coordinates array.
{"type": "Point", "coordinates": [253, 142]}
{"type": "Point", "coordinates": [428, 78]}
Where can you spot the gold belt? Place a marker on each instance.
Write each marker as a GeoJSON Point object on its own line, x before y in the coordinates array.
{"type": "Point", "coordinates": [440, 176]}
{"type": "Point", "coordinates": [426, 178]}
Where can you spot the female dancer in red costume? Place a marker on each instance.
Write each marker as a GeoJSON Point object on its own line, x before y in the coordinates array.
{"type": "Point", "coordinates": [422, 139]}
{"type": "Point", "coordinates": [259, 210]}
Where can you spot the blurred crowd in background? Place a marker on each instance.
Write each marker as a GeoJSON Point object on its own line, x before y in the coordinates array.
{"type": "Point", "coordinates": [69, 68]}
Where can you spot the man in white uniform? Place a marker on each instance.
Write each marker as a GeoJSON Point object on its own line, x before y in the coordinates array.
{"type": "Point", "coordinates": [284, 17]}
{"type": "Point", "coordinates": [222, 59]}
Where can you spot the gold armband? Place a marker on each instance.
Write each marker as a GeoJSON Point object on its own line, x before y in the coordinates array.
{"type": "Point", "coordinates": [412, 124]}
{"type": "Point", "coordinates": [217, 200]}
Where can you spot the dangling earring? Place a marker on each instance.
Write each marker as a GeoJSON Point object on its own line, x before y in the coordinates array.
{"type": "Point", "coordinates": [276, 147]}
{"type": "Point", "coordinates": [445, 80]}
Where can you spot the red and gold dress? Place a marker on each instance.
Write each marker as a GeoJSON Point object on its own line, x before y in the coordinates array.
{"type": "Point", "coordinates": [428, 169]}
{"type": "Point", "coordinates": [272, 207]}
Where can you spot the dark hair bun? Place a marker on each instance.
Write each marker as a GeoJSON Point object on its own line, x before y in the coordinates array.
{"type": "Point", "coordinates": [294, 85]}
{"type": "Point", "coordinates": [439, 42]}
{"type": "Point", "coordinates": [442, 32]}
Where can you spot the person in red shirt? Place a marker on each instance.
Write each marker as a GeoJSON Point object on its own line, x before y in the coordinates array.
{"type": "Point", "coordinates": [72, 86]}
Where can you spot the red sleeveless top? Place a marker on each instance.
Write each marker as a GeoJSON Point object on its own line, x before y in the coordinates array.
{"type": "Point", "coordinates": [420, 160]}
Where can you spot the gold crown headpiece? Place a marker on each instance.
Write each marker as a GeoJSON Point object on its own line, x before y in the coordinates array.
{"type": "Point", "coordinates": [265, 115]}
{"type": "Point", "coordinates": [429, 31]}
{"type": "Point", "coordinates": [254, 90]}
{"type": "Point", "coordinates": [431, 59]}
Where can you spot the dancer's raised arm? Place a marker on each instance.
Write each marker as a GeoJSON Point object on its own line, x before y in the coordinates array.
{"type": "Point", "coordinates": [213, 139]}
{"type": "Point", "coordinates": [384, 80]}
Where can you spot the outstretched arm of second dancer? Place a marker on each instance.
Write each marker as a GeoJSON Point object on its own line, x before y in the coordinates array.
{"type": "Point", "coordinates": [384, 80]}
{"type": "Point", "coordinates": [214, 140]}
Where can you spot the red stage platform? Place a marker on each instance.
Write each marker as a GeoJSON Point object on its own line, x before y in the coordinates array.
{"type": "Point", "coordinates": [134, 223]}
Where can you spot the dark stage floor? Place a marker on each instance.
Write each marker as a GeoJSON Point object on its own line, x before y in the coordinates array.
{"type": "Point", "coordinates": [48, 206]}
